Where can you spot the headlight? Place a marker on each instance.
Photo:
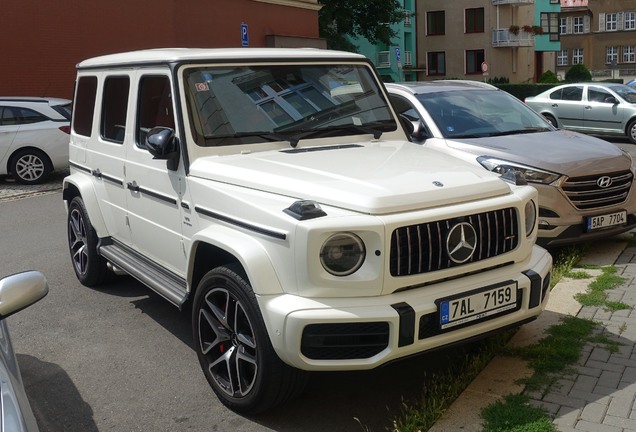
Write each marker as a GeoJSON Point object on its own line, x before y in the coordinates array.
{"type": "Point", "coordinates": [531, 216]}
{"type": "Point", "coordinates": [532, 174]}
{"type": "Point", "coordinates": [342, 254]}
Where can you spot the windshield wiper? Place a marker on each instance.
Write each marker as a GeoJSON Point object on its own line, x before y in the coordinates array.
{"type": "Point", "coordinates": [520, 131]}
{"type": "Point", "coordinates": [329, 131]}
{"type": "Point", "coordinates": [265, 135]}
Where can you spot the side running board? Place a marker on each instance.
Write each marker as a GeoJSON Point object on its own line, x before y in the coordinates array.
{"type": "Point", "coordinates": [167, 284]}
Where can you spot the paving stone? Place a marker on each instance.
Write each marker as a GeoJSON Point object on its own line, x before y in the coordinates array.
{"type": "Point", "coordinates": [565, 401]}
{"type": "Point", "coordinates": [621, 422]}
{"type": "Point", "coordinates": [585, 383]}
{"type": "Point", "coordinates": [620, 407]}
{"type": "Point", "coordinates": [595, 427]}
{"type": "Point", "coordinates": [603, 398]}
{"type": "Point", "coordinates": [551, 408]}
{"type": "Point", "coordinates": [604, 366]}
{"type": "Point", "coordinates": [594, 412]}
{"type": "Point", "coordinates": [584, 370]}
{"type": "Point", "coordinates": [567, 416]}
{"type": "Point", "coordinates": [610, 379]}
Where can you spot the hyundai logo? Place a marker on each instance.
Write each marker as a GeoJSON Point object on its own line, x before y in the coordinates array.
{"type": "Point", "coordinates": [461, 242]}
{"type": "Point", "coordinates": [604, 182]}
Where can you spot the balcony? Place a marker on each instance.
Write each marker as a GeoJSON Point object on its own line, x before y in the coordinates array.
{"type": "Point", "coordinates": [511, 2]}
{"type": "Point", "coordinates": [502, 38]}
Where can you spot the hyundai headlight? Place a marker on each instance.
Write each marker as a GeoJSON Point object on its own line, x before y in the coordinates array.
{"type": "Point", "coordinates": [342, 254]}
{"type": "Point", "coordinates": [532, 174]}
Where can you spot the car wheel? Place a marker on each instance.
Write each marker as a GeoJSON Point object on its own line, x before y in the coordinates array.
{"type": "Point", "coordinates": [30, 166]}
{"type": "Point", "coordinates": [551, 120]}
{"type": "Point", "coordinates": [233, 346]}
{"type": "Point", "coordinates": [90, 268]}
{"type": "Point", "coordinates": [631, 131]}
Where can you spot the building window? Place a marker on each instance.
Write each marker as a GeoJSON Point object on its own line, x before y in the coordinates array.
{"type": "Point", "coordinates": [611, 22]}
{"type": "Point", "coordinates": [578, 24]}
{"type": "Point", "coordinates": [475, 20]}
{"type": "Point", "coordinates": [562, 58]}
{"type": "Point", "coordinates": [474, 59]}
{"type": "Point", "coordinates": [550, 25]}
{"type": "Point", "coordinates": [435, 23]}
{"type": "Point", "coordinates": [628, 54]}
{"type": "Point", "coordinates": [563, 26]}
{"type": "Point", "coordinates": [436, 62]}
{"type": "Point", "coordinates": [555, 1]}
{"type": "Point", "coordinates": [577, 56]}
{"type": "Point", "coordinates": [611, 56]}
{"type": "Point", "coordinates": [630, 21]}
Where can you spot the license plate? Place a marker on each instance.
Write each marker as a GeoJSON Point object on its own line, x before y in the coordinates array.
{"type": "Point", "coordinates": [608, 220]}
{"type": "Point", "coordinates": [477, 305]}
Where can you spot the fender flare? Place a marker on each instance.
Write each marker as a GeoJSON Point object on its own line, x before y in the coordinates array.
{"type": "Point", "coordinates": [86, 191]}
{"type": "Point", "coordinates": [247, 250]}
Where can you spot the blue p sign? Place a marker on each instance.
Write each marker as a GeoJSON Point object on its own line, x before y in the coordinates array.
{"type": "Point", "coordinates": [245, 40]}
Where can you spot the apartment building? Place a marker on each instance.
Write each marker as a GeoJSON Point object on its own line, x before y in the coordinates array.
{"type": "Point", "coordinates": [481, 39]}
{"type": "Point", "coordinates": [601, 34]}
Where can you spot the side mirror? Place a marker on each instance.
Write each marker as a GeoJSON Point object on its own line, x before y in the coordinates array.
{"type": "Point", "coordinates": [163, 144]}
{"type": "Point", "coordinates": [20, 291]}
{"type": "Point", "coordinates": [610, 99]}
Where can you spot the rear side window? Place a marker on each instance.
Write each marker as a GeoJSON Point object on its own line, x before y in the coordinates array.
{"type": "Point", "coordinates": [114, 108]}
{"type": "Point", "coordinates": [10, 116]}
{"type": "Point", "coordinates": [568, 93]}
{"type": "Point", "coordinates": [84, 105]}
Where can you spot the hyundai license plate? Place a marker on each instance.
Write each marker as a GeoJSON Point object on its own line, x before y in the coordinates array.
{"type": "Point", "coordinates": [607, 220]}
{"type": "Point", "coordinates": [477, 305]}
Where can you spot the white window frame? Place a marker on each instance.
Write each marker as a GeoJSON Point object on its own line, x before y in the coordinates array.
{"type": "Point", "coordinates": [563, 26]}
{"type": "Point", "coordinates": [577, 56]}
{"type": "Point", "coordinates": [611, 21]}
{"type": "Point", "coordinates": [562, 58]}
{"type": "Point", "coordinates": [629, 54]}
{"type": "Point", "coordinates": [630, 21]}
{"type": "Point", "coordinates": [611, 54]}
{"type": "Point", "coordinates": [578, 25]}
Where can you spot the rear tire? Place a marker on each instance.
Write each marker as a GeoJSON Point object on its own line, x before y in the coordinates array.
{"type": "Point", "coordinates": [551, 120]}
{"type": "Point", "coordinates": [30, 166]}
{"type": "Point", "coordinates": [90, 268]}
{"type": "Point", "coordinates": [233, 346]}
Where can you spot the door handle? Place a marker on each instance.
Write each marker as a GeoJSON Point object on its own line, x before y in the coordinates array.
{"type": "Point", "coordinates": [587, 107]}
{"type": "Point", "coordinates": [133, 186]}
{"type": "Point", "coordinates": [555, 105]}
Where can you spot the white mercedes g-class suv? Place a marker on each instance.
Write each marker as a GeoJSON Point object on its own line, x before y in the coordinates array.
{"type": "Point", "coordinates": [275, 192]}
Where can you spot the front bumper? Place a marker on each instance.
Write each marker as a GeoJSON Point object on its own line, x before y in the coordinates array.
{"type": "Point", "coordinates": [365, 332]}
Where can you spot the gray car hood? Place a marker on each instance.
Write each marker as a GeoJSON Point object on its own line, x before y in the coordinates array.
{"type": "Point", "coordinates": [564, 152]}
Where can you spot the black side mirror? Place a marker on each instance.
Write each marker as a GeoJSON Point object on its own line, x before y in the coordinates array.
{"type": "Point", "coordinates": [162, 143]}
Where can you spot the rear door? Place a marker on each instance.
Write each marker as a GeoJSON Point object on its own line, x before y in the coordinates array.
{"type": "Point", "coordinates": [603, 112]}
{"type": "Point", "coordinates": [567, 103]}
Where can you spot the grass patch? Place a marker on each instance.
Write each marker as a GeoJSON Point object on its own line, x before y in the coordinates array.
{"type": "Point", "coordinates": [564, 259]}
{"type": "Point", "coordinates": [580, 274]}
{"type": "Point", "coordinates": [515, 414]}
{"type": "Point", "coordinates": [596, 294]}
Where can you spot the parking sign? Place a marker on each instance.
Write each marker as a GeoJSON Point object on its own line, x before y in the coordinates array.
{"type": "Point", "coordinates": [245, 40]}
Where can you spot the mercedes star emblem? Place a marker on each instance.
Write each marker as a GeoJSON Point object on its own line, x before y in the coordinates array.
{"type": "Point", "coordinates": [461, 242]}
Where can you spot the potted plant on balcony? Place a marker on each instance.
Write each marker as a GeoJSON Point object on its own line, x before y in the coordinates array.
{"type": "Point", "coordinates": [514, 29]}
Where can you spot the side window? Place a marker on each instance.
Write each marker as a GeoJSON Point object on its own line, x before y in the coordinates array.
{"type": "Point", "coordinates": [598, 95]}
{"type": "Point", "coordinates": [30, 116]}
{"type": "Point", "coordinates": [155, 106]}
{"type": "Point", "coordinates": [570, 93]}
{"type": "Point", "coordinates": [8, 116]}
{"type": "Point", "coordinates": [404, 107]}
{"type": "Point", "coordinates": [114, 108]}
{"type": "Point", "coordinates": [84, 105]}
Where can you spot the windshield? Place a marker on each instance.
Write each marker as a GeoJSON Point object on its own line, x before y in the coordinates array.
{"type": "Point", "coordinates": [260, 103]}
{"type": "Point", "coordinates": [480, 113]}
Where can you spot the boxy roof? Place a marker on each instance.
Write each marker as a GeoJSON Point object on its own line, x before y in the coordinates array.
{"type": "Point", "coordinates": [170, 55]}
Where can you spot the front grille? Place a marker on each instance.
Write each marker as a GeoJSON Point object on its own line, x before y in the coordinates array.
{"type": "Point", "coordinates": [422, 248]}
{"type": "Point", "coordinates": [585, 193]}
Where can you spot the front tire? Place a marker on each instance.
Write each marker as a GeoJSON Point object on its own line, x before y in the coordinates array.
{"type": "Point", "coordinates": [233, 346]}
{"type": "Point", "coordinates": [90, 268]}
{"type": "Point", "coordinates": [631, 131]}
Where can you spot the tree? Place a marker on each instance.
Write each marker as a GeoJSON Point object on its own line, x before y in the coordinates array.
{"type": "Point", "coordinates": [549, 77]}
{"type": "Point", "coordinates": [371, 19]}
{"type": "Point", "coordinates": [578, 73]}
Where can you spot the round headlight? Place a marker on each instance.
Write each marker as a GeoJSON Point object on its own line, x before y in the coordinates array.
{"type": "Point", "coordinates": [531, 216]}
{"type": "Point", "coordinates": [342, 254]}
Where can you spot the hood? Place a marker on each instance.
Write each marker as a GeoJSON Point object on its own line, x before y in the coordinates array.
{"type": "Point", "coordinates": [563, 152]}
{"type": "Point", "coordinates": [376, 178]}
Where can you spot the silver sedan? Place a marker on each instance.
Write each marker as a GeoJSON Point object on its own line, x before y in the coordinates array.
{"type": "Point", "coordinates": [593, 108]}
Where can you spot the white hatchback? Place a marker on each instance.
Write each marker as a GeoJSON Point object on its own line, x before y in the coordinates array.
{"type": "Point", "coordinates": [34, 136]}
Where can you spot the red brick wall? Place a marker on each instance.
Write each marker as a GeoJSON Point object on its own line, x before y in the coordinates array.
{"type": "Point", "coordinates": [45, 39]}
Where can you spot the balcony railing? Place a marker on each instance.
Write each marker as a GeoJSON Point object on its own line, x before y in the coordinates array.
{"type": "Point", "coordinates": [383, 59]}
{"type": "Point", "coordinates": [512, 2]}
{"type": "Point", "coordinates": [503, 38]}
{"type": "Point", "coordinates": [408, 58]}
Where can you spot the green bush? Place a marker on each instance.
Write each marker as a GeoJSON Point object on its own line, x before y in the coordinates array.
{"type": "Point", "coordinates": [578, 73]}
{"type": "Point", "coordinates": [549, 77]}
